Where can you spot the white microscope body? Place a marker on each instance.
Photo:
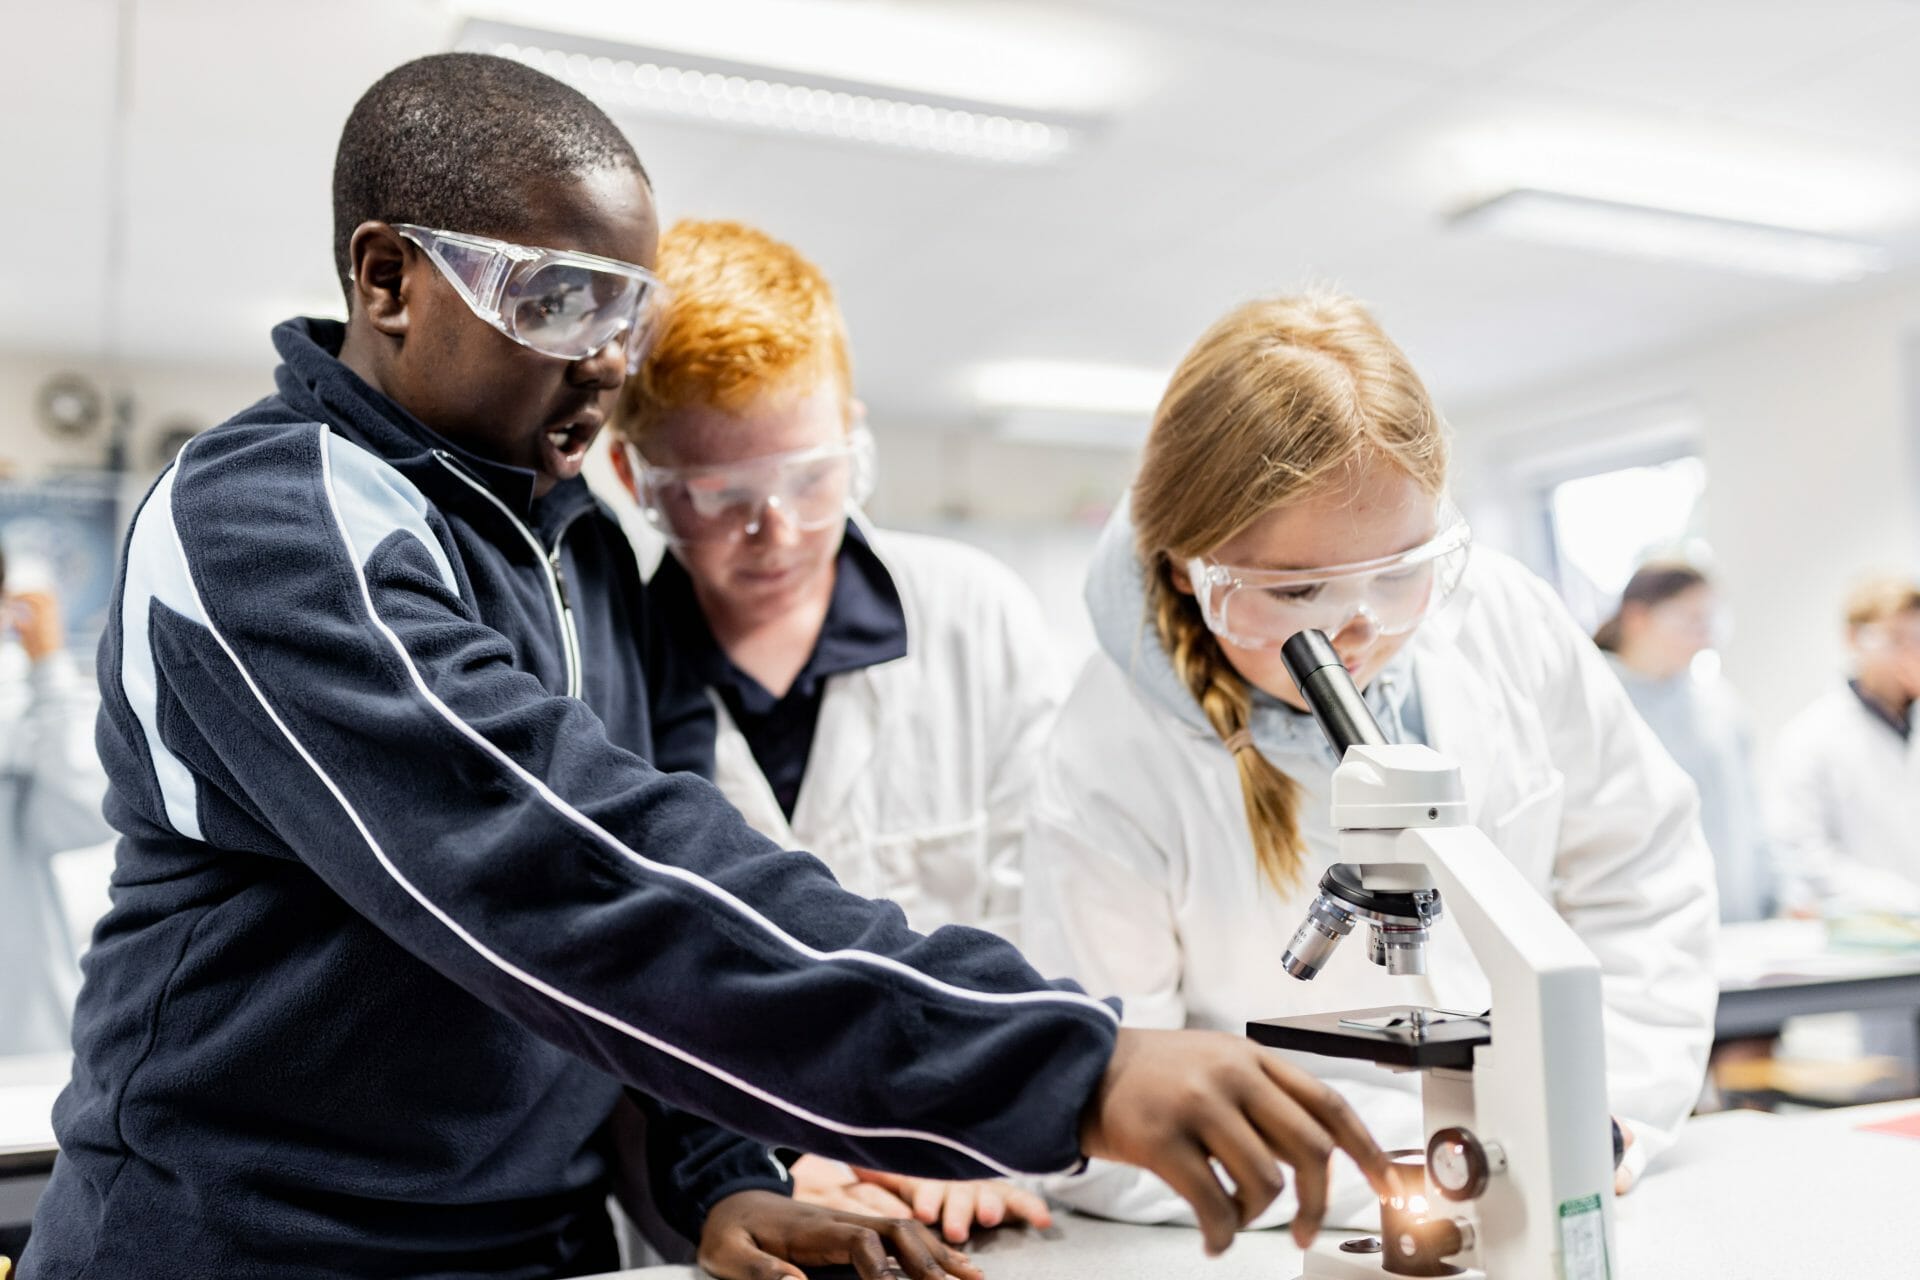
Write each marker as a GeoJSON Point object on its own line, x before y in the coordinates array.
{"type": "Point", "coordinates": [1519, 1181]}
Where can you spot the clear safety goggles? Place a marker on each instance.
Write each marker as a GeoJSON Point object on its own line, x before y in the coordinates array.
{"type": "Point", "coordinates": [1263, 608]}
{"type": "Point", "coordinates": [558, 302]}
{"type": "Point", "coordinates": [807, 489]}
{"type": "Point", "coordinates": [1902, 634]}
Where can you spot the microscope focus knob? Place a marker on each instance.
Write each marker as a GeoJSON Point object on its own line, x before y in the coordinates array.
{"type": "Point", "coordinates": [1460, 1164]}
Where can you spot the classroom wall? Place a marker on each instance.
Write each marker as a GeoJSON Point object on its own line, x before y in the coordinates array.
{"type": "Point", "coordinates": [1811, 437]}
{"type": "Point", "coordinates": [930, 473]}
{"type": "Point", "coordinates": [160, 395]}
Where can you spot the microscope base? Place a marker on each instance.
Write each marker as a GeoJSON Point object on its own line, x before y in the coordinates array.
{"type": "Point", "coordinates": [1326, 1261]}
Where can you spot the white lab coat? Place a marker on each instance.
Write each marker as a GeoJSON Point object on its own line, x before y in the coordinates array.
{"type": "Point", "coordinates": [51, 786]}
{"type": "Point", "coordinates": [1141, 879]}
{"type": "Point", "coordinates": [1844, 807]}
{"type": "Point", "coordinates": [917, 785]}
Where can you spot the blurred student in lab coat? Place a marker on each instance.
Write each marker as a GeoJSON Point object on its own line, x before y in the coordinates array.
{"type": "Point", "coordinates": [1844, 799]}
{"type": "Point", "coordinates": [880, 698]}
{"type": "Point", "coordinates": [1295, 477]}
{"type": "Point", "coordinates": [1666, 620]}
{"type": "Point", "coordinates": [51, 786]}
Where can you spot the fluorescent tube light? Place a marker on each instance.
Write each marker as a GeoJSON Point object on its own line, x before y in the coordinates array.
{"type": "Point", "coordinates": [1716, 170]}
{"type": "Point", "coordinates": [1644, 231]}
{"type": "Point", "coordinates": [631, 78]}
{"type": "Point", "coordinates": [1069, 386]}
{"type": "Point", "coordinates": [1049, 58]}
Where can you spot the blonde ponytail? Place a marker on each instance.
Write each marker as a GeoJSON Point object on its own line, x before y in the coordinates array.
{"type": "Point", "coordinates": [1272, 798]}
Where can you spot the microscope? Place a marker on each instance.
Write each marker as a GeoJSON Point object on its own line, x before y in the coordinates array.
{"type": "Point", "coordinates": [1516, 1181]}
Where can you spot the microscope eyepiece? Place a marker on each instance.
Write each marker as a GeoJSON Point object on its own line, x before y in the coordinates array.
{"type": "Point", "coordinates": [1324, 682]}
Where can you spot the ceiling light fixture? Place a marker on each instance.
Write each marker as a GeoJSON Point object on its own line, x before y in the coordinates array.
{"type": "Point", "coordinates": [1671, 235]}
{"type": "Point", "coordinates": [631, 78]}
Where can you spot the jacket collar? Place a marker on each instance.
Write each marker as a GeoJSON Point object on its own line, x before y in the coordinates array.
{"type": "Point", "coordinates": [313, 381]}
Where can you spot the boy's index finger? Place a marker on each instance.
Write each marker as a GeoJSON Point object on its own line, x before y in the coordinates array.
{"type": "Point", "coordinates": [1324, 1103]}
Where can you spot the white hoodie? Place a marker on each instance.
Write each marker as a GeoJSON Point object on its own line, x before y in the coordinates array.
{"type": "Point", "coordinates": [1141, 880]}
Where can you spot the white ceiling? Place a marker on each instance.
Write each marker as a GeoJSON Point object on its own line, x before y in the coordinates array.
{"type": "Point", "coordinates": [1250, 145]}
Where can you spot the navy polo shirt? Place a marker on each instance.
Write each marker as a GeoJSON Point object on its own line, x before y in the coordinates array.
{"type": "Point", "coordinates": [1900, 724]}
{"type": "Point", "coordinates": [864, 627]}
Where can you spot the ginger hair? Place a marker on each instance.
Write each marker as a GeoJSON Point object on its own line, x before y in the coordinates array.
{"type": "Point", "coordinates": [745, 315]}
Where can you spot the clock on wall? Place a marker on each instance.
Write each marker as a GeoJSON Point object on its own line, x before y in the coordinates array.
{"type": "Point", "coordinates": [70, 406]}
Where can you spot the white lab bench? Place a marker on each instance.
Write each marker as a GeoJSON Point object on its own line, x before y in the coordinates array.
{"type": "Point", "coordinates": [1743, 1194]}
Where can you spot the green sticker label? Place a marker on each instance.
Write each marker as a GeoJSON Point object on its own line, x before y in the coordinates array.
{"type": "Point", "coordinates": [1583, 1240]}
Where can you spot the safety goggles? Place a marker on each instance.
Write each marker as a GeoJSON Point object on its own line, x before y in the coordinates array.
{"type": "Point", "coordinates": [1263, 608]}
{"type": "Point", "coordinates": [1902, 634]}
{"type": "Point", "coordinates": [807, 489]}
{"type": "Point", "coordinates": [558, 302]}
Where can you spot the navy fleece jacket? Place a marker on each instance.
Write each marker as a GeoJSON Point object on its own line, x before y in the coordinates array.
{"type": "Point", "coordinates": [401, 904]}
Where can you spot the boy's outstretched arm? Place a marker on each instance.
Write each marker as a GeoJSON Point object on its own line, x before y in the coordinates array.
{"type": "Point", "coordinates": [306, 668]}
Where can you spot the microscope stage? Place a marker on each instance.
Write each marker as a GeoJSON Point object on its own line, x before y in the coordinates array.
{"type": "Point", "coordinates": [1445, 1039]}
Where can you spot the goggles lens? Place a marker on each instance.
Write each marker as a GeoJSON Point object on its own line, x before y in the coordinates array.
{"type": "Point", "coordinates": [809, 490]}
{"type": "Point", "coordinates": [560, 303]}
{"type": "Point", "coordinates": [1262, 609]}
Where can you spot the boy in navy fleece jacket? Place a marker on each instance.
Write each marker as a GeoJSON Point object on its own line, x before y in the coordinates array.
{"type": "Point", "coordinates": [401, 903]}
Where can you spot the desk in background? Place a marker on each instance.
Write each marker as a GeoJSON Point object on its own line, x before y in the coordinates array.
{"type": "Point", "coordinates": [1773, 970]}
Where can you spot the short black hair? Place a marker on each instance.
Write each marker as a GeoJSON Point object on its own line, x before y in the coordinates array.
{"type": "Point", "coordinates": [455, 140]}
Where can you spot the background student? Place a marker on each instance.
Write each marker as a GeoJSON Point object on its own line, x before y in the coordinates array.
{"type": "Point", "coordinates": [51, 785]}
{"type": "Point", "coordinates": [1665, 620]}
{"type": "Point", "coordinates": [1844, 780]}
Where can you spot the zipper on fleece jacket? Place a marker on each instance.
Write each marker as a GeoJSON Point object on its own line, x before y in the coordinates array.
{"type": "Point", "coordinates": [549, 558]}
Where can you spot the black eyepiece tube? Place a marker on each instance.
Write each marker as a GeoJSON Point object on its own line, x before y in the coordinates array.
{"type": "Point", "coordinates": [1330, 692]}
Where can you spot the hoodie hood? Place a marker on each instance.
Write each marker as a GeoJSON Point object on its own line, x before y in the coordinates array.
{"type": "Point", "coordinates": [1116, 594]}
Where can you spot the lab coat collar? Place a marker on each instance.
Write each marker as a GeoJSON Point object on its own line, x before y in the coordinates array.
{"type": "Point", "coordinates": [1901, 724]}
{"type": "Point", "coordinates": [865, 626]}
{"type": "Point", "coordinates": [844, 744]}
{"type": "Point", "coordinates": [852, 702]}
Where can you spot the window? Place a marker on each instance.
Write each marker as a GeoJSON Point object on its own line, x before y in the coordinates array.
{"type": "Point", "coordinates": [1606, 524]}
